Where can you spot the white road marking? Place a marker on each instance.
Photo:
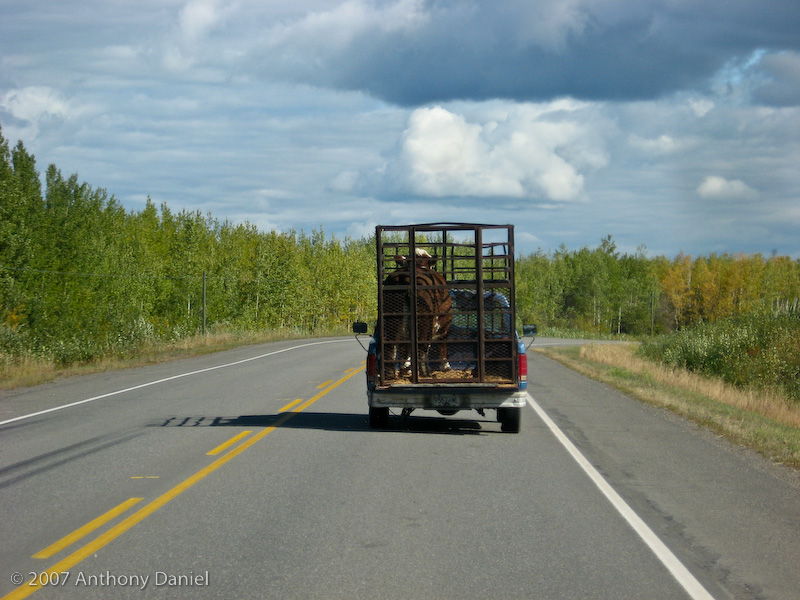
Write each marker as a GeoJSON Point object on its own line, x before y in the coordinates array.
{"type": "Point", "coordinates": [693, 587]}
{"type": "Point", "coordinates": [166, 379]}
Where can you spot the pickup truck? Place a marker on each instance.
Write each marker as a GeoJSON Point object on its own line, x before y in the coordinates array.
{"type": "Point", "coordinates": [445, 336]}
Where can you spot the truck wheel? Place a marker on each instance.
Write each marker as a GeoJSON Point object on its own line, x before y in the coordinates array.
{"type": "Point", "coordinates": [378, 417]}
{"type": "Point", "coordinates": [510, 419]}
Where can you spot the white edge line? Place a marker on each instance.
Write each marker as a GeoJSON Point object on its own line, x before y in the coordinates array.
{"type": "Point", "coordinates": [149, 383]}
{"type": "Point", "coordinates": [688, 581]}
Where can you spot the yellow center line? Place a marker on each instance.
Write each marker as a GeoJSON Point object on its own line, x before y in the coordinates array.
{"type": "Point", "coordinates": [86, 529]}
{"type": "Point", "coordinates": [304, 406]}
{"type": "Point", "coordinates": [323, 392]}
{"type": "Point", "coordinates": [105, 538]}
{"type": "Point", "coordinates": [228, 444]}
{"type": "Point", "coordinates": [290, 405]}
{"type": "Point", "coordinates": [323, 384]}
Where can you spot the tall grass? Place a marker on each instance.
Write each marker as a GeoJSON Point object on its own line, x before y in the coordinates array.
{"type": "Point", "coordinates": [31, 368]}
{"type": "Point", "coordinates": [758, 351]}
{"type": "Point", "coordinates": [568, 333]}
{"type": "Point", "coordinates": [763, 420]}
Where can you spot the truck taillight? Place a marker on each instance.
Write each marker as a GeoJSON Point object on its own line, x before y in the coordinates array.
{"type": "Point", "coordinates": [371, 360]}
{"type": "Point", "coordinates": [522, 359]}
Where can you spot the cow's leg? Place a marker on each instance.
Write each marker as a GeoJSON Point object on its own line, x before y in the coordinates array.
{"type": "Point", "coordinates": [422, 360]}
{"type": "Point", "coordinates": [397, 364]}
{"type": "Point", "coordinates": [394, 349]}
{"type": "Point", "coordinates": [441, 327]}
{"type": "Point", "coordinates": [404, 348]}
{"type": "Point", "coordinates": [404, 359]}
{"type": "Point", "coordinates": [400, 360]}
{"type": "Point", "coordinates": [444, 363]}
{"type": "Point", "coordinates": [424, 332]}
{"type": "Point", "coordinates": [389, 364]}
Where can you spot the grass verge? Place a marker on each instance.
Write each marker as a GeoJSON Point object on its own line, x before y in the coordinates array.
{"type": "Point", "coordinates": [27, 371]}
{"type": "Point", "coordinates": [765, 422]}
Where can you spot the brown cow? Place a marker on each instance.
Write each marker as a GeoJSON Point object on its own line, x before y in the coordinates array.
{"type": "Point", "coordinates": [433, 308]}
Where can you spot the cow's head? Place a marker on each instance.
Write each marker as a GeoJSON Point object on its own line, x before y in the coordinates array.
{"type": "Point", "coordinates": [401, 262]}
{"type": "Point", "coordinates": [424, 260]}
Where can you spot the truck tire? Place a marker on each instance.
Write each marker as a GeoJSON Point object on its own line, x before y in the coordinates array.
{"type": "Point", "coordinates": [510, 419]}
{"type": "Point", "coordinates": [378, 417]}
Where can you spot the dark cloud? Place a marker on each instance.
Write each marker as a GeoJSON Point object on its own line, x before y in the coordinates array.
{"type": "Point", "coordinates": [536, 51]}
{"type": "Point", "coordinates": [781, 85]}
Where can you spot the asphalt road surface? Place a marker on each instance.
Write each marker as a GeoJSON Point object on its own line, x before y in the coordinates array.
{"type": "Point", "coordinates": [253, 473]}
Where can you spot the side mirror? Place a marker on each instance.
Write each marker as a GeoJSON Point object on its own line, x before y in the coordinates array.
{"type": "Point", "coordinates": [359, 327]}
{"type": "Point", "coordinates": [530, 330]}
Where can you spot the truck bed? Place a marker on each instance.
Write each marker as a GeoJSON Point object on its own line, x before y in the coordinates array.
{"type": "Point", "coordinates": [445, 338]}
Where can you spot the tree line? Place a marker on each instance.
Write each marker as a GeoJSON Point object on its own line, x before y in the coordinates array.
{"type": "Point", "coordinates": [600, 290]}
{"type": "Point", "coordinates": [81, 277]}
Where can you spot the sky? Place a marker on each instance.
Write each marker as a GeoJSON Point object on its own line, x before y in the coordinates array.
{"type": "Point", "coordinates": [671, 125]}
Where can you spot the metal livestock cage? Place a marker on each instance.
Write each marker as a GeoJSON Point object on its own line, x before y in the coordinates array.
{"type": "Point", "coordinates": [432, 327]}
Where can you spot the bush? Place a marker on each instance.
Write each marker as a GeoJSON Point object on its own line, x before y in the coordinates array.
{"type": "Point", "coordinates": [12, 341]}
{"type": "Point", "coordinates": [760, 350]}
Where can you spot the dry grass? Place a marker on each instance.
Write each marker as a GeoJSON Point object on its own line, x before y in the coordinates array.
{"type": "Point", "coordinates": [769, 405]}
{"type": "Point", "coordinates": [27, 371]}
{"type": "Point", "coordinates": [764, 421]}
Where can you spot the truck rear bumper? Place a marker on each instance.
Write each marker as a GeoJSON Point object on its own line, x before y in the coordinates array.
{"type": "Point", "coordinates": [446, 399]}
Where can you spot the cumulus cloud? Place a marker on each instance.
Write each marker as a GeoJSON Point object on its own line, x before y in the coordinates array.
{"type": "Point", "coordinates": [194, 23]}
{"type": "Point", "coordinates": [714, 187]}
{"type": "Point", "coordinates": [340, 25]}
{"type": "Point", "coordinates": [519, 152]}
{"type": "Point", "coordinates": [32, 103]}
{"type": "Point", "coordinates": [311, 47]}
{"type": "Point", "coordinates": [197, 18]}
{"type": "Point", "coordinates": [664, 144]}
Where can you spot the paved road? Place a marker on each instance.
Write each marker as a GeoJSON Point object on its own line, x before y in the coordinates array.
{"type": "Point", "coordinates": [253, 474]}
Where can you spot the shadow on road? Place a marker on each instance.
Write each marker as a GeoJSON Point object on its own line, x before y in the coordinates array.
{"type": "Point", "coordinates": [331, 421]}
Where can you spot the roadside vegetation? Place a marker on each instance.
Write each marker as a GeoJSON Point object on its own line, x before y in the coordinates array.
{"type": "Point", "coordinates": [758, 350]}
{"type": "Point", "coordinates": [87, 285]}
{"type": "Point", "coordinates": [84, 281]}
{"type": "Point", "coordinates": [25, 371]}
{"type": "Point", "coordinates": [760, 417]}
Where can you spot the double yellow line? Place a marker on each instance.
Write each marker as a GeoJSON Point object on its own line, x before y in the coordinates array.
{"type": "Point", "coordinates": [79, 555]}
